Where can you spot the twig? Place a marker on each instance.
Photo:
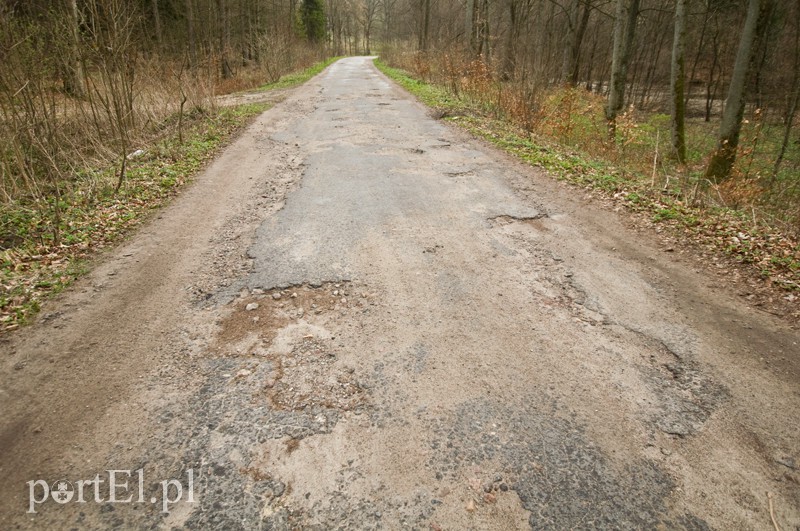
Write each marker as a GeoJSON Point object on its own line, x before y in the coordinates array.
{"type": "Point", "coordinates": [21, 88]}
{"type": "Point", "coordinates": [772, 512]}
{"type": "Point", "coordinates": [655, 161]}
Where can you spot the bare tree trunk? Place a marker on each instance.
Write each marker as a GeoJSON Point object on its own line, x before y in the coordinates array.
{"type": "Point", "coordinates": [791, 111]}
{"type": "Point", "coordinates": [590, 86]}
{"type": "Point", "coordinates": [699, 52]}
{"type": "Point", "coordinates": [258, 34]}
{"type": "Point", "coordinates": [190, 33]}
{"type": "Point", "coordinates": [388, 20]}
{"type": "Point", "coordinates": [510, 58]}
{"type": "Point", "coordinates": [624, 29]}
{"type": "Point", "coordinates": [576, 45]}
{"type": "Point", "coordinates": [224, 38]}
{"type": "Point", "coordinates": [292, 11]}
{"type": "Point", "coordinates": [763, 36]}
{"type": "Point", "coordinates": [577, 21]}
{"type": "Point", "coordinates": [616, 86]}
{"type": "Point", "coordinates": [790, 115]}
{"type": "Point", "coordinates": [572, 22]}
{"type": "Point", "coordinates": [483, 31]}
{"type": "Point", "coordinates": [157, 24]}
{"type": "Point", "coordinates": [370, 12]}
{"type": "Point", "coordinates": [425, 25]}
{"type": "Point", "coordinates": [677, 82]}
{"type": "Point", "coordinates": [722, 159]}
{"type": "Point", "coordinates": [73, 70]}
{"type": "Point", "coordinates": [650, 56]}
{"type": "Point", "coordinates": [712, 83]}
{"type": "Point", "coordinates": [469, 27]}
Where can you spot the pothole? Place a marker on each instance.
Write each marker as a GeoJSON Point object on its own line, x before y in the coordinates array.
{"type": "Point", "coordinates": [309, 377]}
{"type": "Point", "coordinates": [507, 219]}
{"type": "Point", "coordinates": [563, 478]}
{"type": "Point", "coordinates": [258, 315]}
{"type": "Point", "coordinates": [460, 173]}
{"type": "Point", "coordinates": [293, 358]}
{"type": "Point", "coordinates": [686, 396]}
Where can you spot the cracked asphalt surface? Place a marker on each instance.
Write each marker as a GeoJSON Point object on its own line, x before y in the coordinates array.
{"type": "Point", "coordinates": [361, 318]}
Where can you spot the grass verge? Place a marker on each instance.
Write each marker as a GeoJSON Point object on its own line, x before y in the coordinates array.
{"type": "Point", "coordinates": [770, 256]}
{"type": "Point", "coordinates": [298, 78]}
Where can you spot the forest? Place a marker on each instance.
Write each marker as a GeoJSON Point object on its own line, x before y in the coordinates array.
{"type": "Point", "coordinates": [693, 99]}
{"type": "Point", "coordinates": [709, 89]}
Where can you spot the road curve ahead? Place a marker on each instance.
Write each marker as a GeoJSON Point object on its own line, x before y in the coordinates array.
{"type": "Point", "coordinates": [361, 318]}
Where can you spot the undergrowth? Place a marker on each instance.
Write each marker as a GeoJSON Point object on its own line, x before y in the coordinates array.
{"type": "Point", "coordinates": [34, 264]}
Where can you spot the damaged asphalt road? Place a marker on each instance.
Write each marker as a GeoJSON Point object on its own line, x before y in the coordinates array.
{"type": "Point", "coordinates": [360, 318]}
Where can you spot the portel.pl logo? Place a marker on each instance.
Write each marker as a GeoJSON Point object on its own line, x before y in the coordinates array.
{"type": "Point", "coordinates": [119, 486]}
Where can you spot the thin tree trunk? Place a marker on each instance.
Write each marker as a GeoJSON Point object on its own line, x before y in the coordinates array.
{"type": "Point", "coordinates": [790, 115]}
{"type": "Point", "coordinates": [590, 86]}
{"type": "Point", "coordinates": [793, 102]}
{"type": "Point", "coordinates": [292, 11]}
{"type": "Point", "coordinates": [426, 22]}
{"type": "Point", "coordinates": [483, 28]}
{"type": "Point", "coordinates": [469, 27]}
{"type": "Point", "coordinates": [624, 29]}
{"type": "Point", "coordinates": [157, 24]}
{"type": "Point", "coordinates": [724, 156]}
{"type": "Point", "coordinates": [73, 70]}
{"type": "Point", "coordinates": [190, 33]}
{"type": "Point", "coordinates": [699, 52]}
{"type": "Point", "coordinates": [645, 86]}
{"type": "Point", "coordinates": [763, 36]}
{"type": "Point", "coordinates": [616, 86]}
{"type": "Point", "coordinates": [677, 82]}
{"type": "Point", "coordinates": [712, 83]}
{"type": "Point", "coordinates": [576, 45]}
{"type": "Point", "coordinates": [224, 38]}
{"type": "Point", "coordinates": [510, 58]}
{"type": "Point", "coordinates": [572, 32]}
{"type": "Point", "coordinates": [630, 31]}
{"type": "Point", "coordinates": [388, 20]}
{"type": "Point", "coordinates": [577, 21]}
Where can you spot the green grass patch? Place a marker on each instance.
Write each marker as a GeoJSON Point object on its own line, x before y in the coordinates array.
{"type": "Point", "coordinates": [298, 78]}
{"type": "Point", "coordinates": [431, 95]}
